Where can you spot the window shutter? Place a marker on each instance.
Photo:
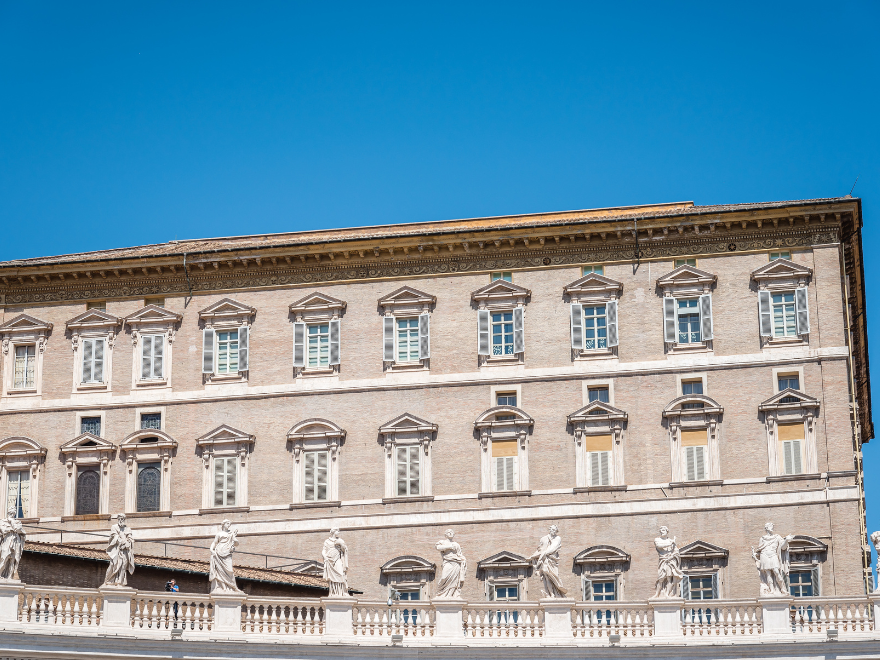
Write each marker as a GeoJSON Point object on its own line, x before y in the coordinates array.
{"type": "Point", "coordinates": [594, 468]}
{"type": "Point", "coordinates": [230, 482]}
{"type": "Point", "coordinates": [611, 321]}
{"type": "Point", "coordinates": [401, 471]}
{"type": "Point", "coordinates": [715, 586]}
{"type": "Point", "coordinates": [588, 590]}
{"type": "Point", "coordinates": [686, 588]}
{"type": "Point", "coordinates": [219, 478]}
{"type": "Point", "coordinates": [388, 338]}
{"type": "Point", "coordinates": [577, 326]}
{"type": "Point", "coordinates": [321, 476]}
{"type": "Point", "coordinates": [603, 468]}
{"type": "Point", "coordinates": [519, 341]}
{"type": "Point", "coordinates": [414, 486]}
{"type": "Point", "coordinates": [88, 361]}
{"type": "Point", "coordinates": [334, 341]}
{"type": "Point", "coordinates": [690, 463]}
{"type": "Point", "coordinates": [509, 468]}
{"type": "Point", "coordinates": [299, 344]}
{"type": "Point", "coordinates": [669, 320]}
{"type": "Point", "coordinates": [786, 457]}
{"type": "Point", "coordinates": [706, 316]}
{"type": "Point", "coordinates": [208, 351]}
{"type": "Point", "coordinates": [424, 336]}
{"type": "Point", "coordinates": [146, 357]}
{"type": "Point", "coordinates": [243, 336]}
{"type": "Point", "coordinates": [499, 473]}
{"type": "Point", "coordinates": [158, 356]}
{"type": "Point", "coordinates": [98, 370]}
{"type": "Point", "coordinates": [483, 332]}
{"type": "Point", "coordinates": [802, 311]}
{"type": "Point", "coordinates": [794, 452]}
{"type": "Point", "coordinates": [309, 474]}
{"type": "Point", "coordinates": [700, 462]}
{"type": "Point", "coordinates": [765, 314]}
{"type": "Point", "coordinates": [814, 578]}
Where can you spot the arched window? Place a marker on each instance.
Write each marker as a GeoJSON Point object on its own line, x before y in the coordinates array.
{"type": "Point", "coordinates": [88, 490]}
{"type": "Point", "coordinates": [149, 483]}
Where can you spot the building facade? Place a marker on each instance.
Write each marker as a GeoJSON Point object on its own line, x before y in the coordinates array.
{"type": "Point", "coordinates": [607, 371]}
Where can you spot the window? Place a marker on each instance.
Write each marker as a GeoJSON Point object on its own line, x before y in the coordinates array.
{"type": "Point", "coordinates": [780, 255]}
{"type": "Point", "coordinates": [685, 262]}
{"type": "Point", "coordinates": [506, 275]}
{"type": "Point", "coordinates": [505, 399]}
{"type": "Point", "coordinates": [149, 482]}
{"type": "Point", "coordinates": [151, 421]}
{"type": "Point", "coordinates": [597, 394]}
{"type": "Point", "coordinates": [97, 304]}
{"type": "Point", "coordinates": [595, 330]}
{"type": "Point", "coordinates": [502, 333]}
{"type": "Point", "coordinates": [701, 587]}
{"type": "Point", "coordinates": [691, 387]}
{"type": "Point", "coordinates": [18, 492]}
{"type": "Point", "coordinates": [600, 590]}
{"type": "Point", "coordinates": [688, 321]}
{"type": "Point", "coordinates": [88, 491]}
{"type": "Point", "coordinates": [409, 595]}
{"type": "Point", "coordinates": [315, 478]}
{"type": "Point", "coordinates": [504, 457]}
{"type": "Point", "coordinates": [152, 348]}
{"type": "Point", "coordinates": [695, 446]}
{"type": "Point", "coordinates": [156, 302]}
{"type": "Point", "coordinates": [791, 439]}
{"type": "Point", "coordinates": [25, 362]}
{"type": "Point", "coordinates": [225, 474]}
{"type": "Point", "coordinates": [319, 345]}
{"type": "Point", "coordinates": [90, 425]}
{"type": "Point", "coordinates": [506, 593]}
{"type": "Point", "coordinates": [586, 270]}
{"type": "Point", "coordinates": [227, 352]}
{"type": "Point", "coordinates": [598, 449]}
{"type": "Point", "coordinates": [408, 340]}
{"type": "Point", "coordinates": [784, 322]}
{"type": "Point", "coordinates": [802, 584]}
{"type": "Point", "coordinates": [93, 361]}
{"type": "Point", "coordinates": [792, 381]}
{"type": "Point", "coordinates": [408, 471]}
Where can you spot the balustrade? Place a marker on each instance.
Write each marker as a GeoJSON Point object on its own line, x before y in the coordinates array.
{"type": "Point", "coordinates": [282, 616]}
{"type": "Point", "coordinates": [60, 606]}
{"type": "Point", "coordinates": [413, 619]}
{"type": "Point", "coordinates": [597, 619]}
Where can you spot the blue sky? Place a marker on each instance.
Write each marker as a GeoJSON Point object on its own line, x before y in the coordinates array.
{"type": "Point", "coordinates": [130, 123]}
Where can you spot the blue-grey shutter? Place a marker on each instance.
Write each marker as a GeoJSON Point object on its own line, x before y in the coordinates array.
{"type": "Point", "coordinates": [146, 357]}
{"type": "Point", "coordinates": [686, 588]}
{"type": "Point", "coordinates": [765, 314]}
{"type": "Point", "coordinates": [802, 311]}
{"type": "Point", "coordinates": [588, 589]}
{"type": "Point", "coordinates": [706, 316]}
{"type": "Point", "coordinates": [243, 335]}
{"type": "Point", "coordinates": [158, 355]}
{"type": "Point", "coordinates": [519, 339]}
{"type": "Point", "coordinates": [669, 320]}
{"type": "Point", "coordinates": [577, 327]}
{"type": "Point", "coordinates": [87, 359]}
{"type": "Point", "coordinates": [208, 351]}
{"type": "Point", "coordinates": [814, 578]}
{"type": "Point", "coordinates": [483, 347]}
{"type": "Point", "coordinates": [715, 585]}
{"type": "Point", "coordinates": [334, 341]}
{"type": "Point", "coordinates": [98, 372]}
{"type": "Point", "coordinates": [611, 322]}
{"type": "Point", "coordinates": [299, 344]}
{"type": "Point", "coordinates": [424, 336]}
{"type": "Point", "coordinates": [388, 338]}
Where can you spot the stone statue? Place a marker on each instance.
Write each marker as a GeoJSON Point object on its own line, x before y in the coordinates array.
{"type": "Point", "coordinates": [454, 567]}
{"type": "Point", "coordinates": [121, 551]}
{"type": "Point", "coordinates": [771, 560]}
{"type": "Point", "coordinates": [546, 561]}
{"type": "Point", "coordinates": [11, 544]}
{"type": "Point", "coordinates": [222, 575]}
{"type": "Point", "coordinates": [875, 539]}
{"type": "Point", "coordinates": [669, 573]}
{"type": "Point", "coordinates": [335, 554]}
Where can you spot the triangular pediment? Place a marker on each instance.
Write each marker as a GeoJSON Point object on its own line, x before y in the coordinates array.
{"type": "Point", "coordinates": [94, 318]}
{"type": "Point", "coordinates": [703, 550]}
{"type": "Point", "coordinates": [781, 269]}
{"type": "Point", "coordinates": [406, 295]}
{"type": "Point", "coordinates": [406, 422]}
{"type": "Point", "coordinates": [408, 564]}
{"type": "Point", "coordinates": [601, 554]}
{"type": "Point", "coordinates": [597, 409]}
{"type": "Point", "coordinates": [317, 301]}
{"type": "Point", "coordinates": [500, 288]}
{"type": "Point", "coordinates": [224, 433]}
{"type": "Point", "coordinates": [790, 397]}
{"type": "Point", "coordinates": [25, 323]}
{"type": "Point", "coordinates": [87, 442]}
{"type": "Point", "coordinates": [686, 275]}
{"type": "Point", "coordinates": [227, 307]}
{"type": "Point", "coordinates": [593, 283]}
{"type": "Point", "coordinates": [153, 314]}
{"type": "Point", "coordinates": [504, 559]}
{"type": "Point", "coordinates": [310, 567]}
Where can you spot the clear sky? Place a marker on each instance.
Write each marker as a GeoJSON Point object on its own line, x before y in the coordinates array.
{"type": "Point", "coordinates": [124, 123]}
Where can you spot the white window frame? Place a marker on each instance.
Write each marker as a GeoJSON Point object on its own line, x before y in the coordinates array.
{"type": "Point", "coordinates": [137, 453]}
{"type": "Point", "coordinates": [805, 412]}
{"type": "Point", "coordinates": [80, 414]}
{"type": "Point", "coordinates": [602, 563]}
{"type": "Point", "coordinates": [593, 290]}
{"type": "Point", "coordinates": [500, 296]}
{"type": "Point", "coordinates": [586, 423]}
{"type": "Point", "coordinates": [20, 454]}
{"type": "Point", "coordinates": [317, 309]}
{"type": "Point", "coordinates": [706, 419]}
{"type": "Point", "coordinates": [23, 330]}
{"type": "Point", "coordinates": [225, 315]}
{"type": "Point", "coordinates": [152, 320]}
{"type": "Point", "coordinates": [685, 283]}
{"type": "Point", "coordinates": [93, 324]}
{"type": "Point", "coordinates": [312, 435]}
{"type": "Point", "coordinates": [781, 276]}
{"type": "Point", "coordinates": [493, 430]}
{"type": "Point", "coordinates": [225, 442]}
{"type": "Point", "coordinates": [406, 303]}
{"type": "Point", "coordinates": [408, 431]}
{"type": "Point", "coordinates": [77, 454]}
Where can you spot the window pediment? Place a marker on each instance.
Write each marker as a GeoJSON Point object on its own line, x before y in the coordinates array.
{"type": "Point", "coordinates": [310, 567]}
{"type": "Point", "coordinates": [597, 411]}
{"type": "Point", "coordinates": [89, 444]}
{"type": "Point", "coordinates": [227, 309]}
{"type": "Point", "coordinates": [317, 306]}
{"type": "Point", "coordinates": [500, 292]}
{"type": "Point", "coordinates": [407, 564]}
{"type": "Point", "coordinates": [503, 561]}
{"type": "Point", "coordinates": [153, 315]}
{"type": "Point", "coordinates": [686, 279]}
{"type": "Point", "coordinates": [21, 447]}
{"type": "Point", "coordinates": [789, 400]}
{"type": "Point", "coordinates": [405, 299]}
{"type": "Point", "coordinates": [315, 428]}
{"type": "Point", "coordinates": [676, 407]}
{"type": "Point", "coordinates": [23, 324]}
{"type": "Point", "coordinates": [135, 442]}
{"type": "Point", "coordinates": [222, 435]}
{"type": "Point", "coordinates": [488, 419]}
{"type": "Point", "coordinates": [407, 423]}
{"type": "Point", "coordinates": [601, 554]}
{"type": "Point", "coordinates": [781, 273]}
{"type": "Point", "coordinates": [703, 550]}
{"type": "Point", "coordinates": [593, 287]}
{"type": "Point", "coordinates": [93, 319]}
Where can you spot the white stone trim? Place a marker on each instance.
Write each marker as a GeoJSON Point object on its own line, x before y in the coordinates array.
{"type": "Point", "coordinates": [23, 330]}
{"type": "Point", "coordinates": [591, 383]}
{"type": "Point", "coordinates": [77, 426]}
{"type": "Point", "coordinates": [136, 453]}
{"type": "Point", "coordinates": [490, 430]}
{"type": "Point", "coordinates": [152, 320]}
{"type": "Point", "coordinates": [75, 456]}
{"type": "Point", "coordinates": [405, 431]}
{"type": "Point", "coordinates": [21, 454]}
{"type": "Point", "coordinates": [148, 410]}
{"type": "Point", "coordinates": [315, 435]}
{"type": "Point", "coordinates": [224, 442]}
{"type": "Point", "coordinates": [494, 390]}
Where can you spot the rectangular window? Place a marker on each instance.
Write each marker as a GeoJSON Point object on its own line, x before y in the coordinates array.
{"type": "Point", "coordinates": [688, 321]}
{"type": "Point", "coordinates": [152, 352]}
{"type": "Point", "coordinates": [90, 425]}
{"type": "Point", "coordinates": [801, 584]}
{"type": "Point", "coordinates": [408, 340]}
{"type": "Point", "coordinates": [701, 587]}
{"type": "Point", "coordinates": [602, 590]}
{"type": "Point", "coordinates": [25, 363]}
{"type": "Point", "coordinates": [792, 381]}
{"type": "Point", "coordinates": [692, 387]}
{"type": "Point", "coordinates": [156, 302]}
{"type": "Point", "coordinates": [18, 492]}
{"type": "Point", "coordinates": [586, 270]}
{"type": "Point", "coordinates": [225, 481]}
{"type": "Point", "coordinates": [408, 471]}
{"type": "Point", "coordinates": [316, 466]}
{"type": "Point", "coordinates": [97, 304]}
{"type": "Point", "coordinates": [149, 478]}
{"type": "Point", "coordinates": [93, 360]}
{"type": "Point", "coordinates": [227, 352]}
{"type": "Point", "coordinates": [780, 255]}
{"type": "Point", "coordinates": [506, 275]}
{"type": "Point", "coordinates": [597, 394]}
{"type": "Point", "coordinates": [151, 421]}
{"type": "Point", "coordinates": [598, 448]}
{"type": "Point", "coordinates": [784, 323]}
{"type": "Point", "coordinates": [595, 327]}
{"type": "Point", "coordinates": [504, 457]}
{"type": "Point", "coordinates": [508, 593]}
{"type": "Point", "coordinates": [502, 333]}
{"type": "Point", "coordinates": [791, 439]}
{"type": "Point", "coordinates": [319, 345]}
{"type": "Point", "coordinates": [685, 262]}
{"type": "Point", "coordinates": [695, 445]}
{"type": "Point", "coordinates": [88, 491]}
{"type": "Point", "coordinates": [505, 399]}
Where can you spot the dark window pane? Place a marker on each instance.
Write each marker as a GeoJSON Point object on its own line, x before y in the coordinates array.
{"type": "Point", "coordinates": [151, 421]}
{"type": "Point", "coordinates": [88, 491]}
{"type": "Point", "coordinates": [148, 482]}
{"type": "Point", "coordinates": [597, 394]}
{"type": "Point", "coordinates": [90, 425]}
{"type": "Point", "coordinates": [692, 387]}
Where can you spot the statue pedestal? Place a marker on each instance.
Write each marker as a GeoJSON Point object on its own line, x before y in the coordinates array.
{"type": "Point", "coordinates": [9, 591]}
{"type": "Point", "coordinates": [557, 619]}
{"type": "Point", "coordinates": [116, 612]}
{"type": "Point", "coordinates": [338, 624]}
{"type": "Point", "coordinates": [448, 624]}
{"type": "Point", "coordinates": [667, 616]}
{"type": "Point", "coordinates": [776, 614]}
{"type": "Point", "coordinates": [227, 610]}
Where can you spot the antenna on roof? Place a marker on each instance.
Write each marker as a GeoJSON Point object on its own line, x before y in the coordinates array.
{"type": "Point", "coordinates": [854, 186]}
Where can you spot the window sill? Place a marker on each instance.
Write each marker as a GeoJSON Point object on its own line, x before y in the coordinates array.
{"type": "Point", "coordinates": [785, 342]}
{"type": "Point", "coordinates": [90, 387]}
{"type": "Point", "coordinates": [151, 383]}
{"type": "Point", "coordinates": [334, 504]}
{"type": "Point", "coordinates": [598, 489]}
{"type": "Point", "coordinates": [239, 376]}
{"type": "Point", "coordinates": [686, 349]}
{"type": "Point", "coordinates": [87, 516]}
{"type": "Point", "coordinates": [411, 498]}
{"type": "Point", "coordinates": [29, 521]}
{"type": "Point", "coordinates": [224, 509]}
{"type": "Point", "coordinates": [403, 367]}
{"type": "Point", "coordinates": [689, 484]}
{"type": "Point", "coordinates": [148, 514]}
{"type": "Point", "coordinates": [316, 372]}
{"type": "Point", "coordinates": [595, 354]}
{"type": "Point", "coordinates": [30, 391]}
{"type": "Point", "coordinates": [504, 493]}
{"type": "Point", "coordinates": [794, 477]}
{"type": "Point", "coordinates": [841, 473]}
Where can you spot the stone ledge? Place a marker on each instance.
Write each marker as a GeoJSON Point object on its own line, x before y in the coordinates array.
{"type": "Point", "coordinates": [401, 500]}
{"type": "Point", "coordinates": [598, 489]}
{"type": "Point", "coordinates": [689, 484]}
{"type": "Point", "coordinates": [149, 514]}
{"type": "Point", "coordinates": [316, 505]}
{"type": "Point", "coordinates": [225, 509]}
{"type": "Point", "coordinates": [505, 493]}
{"type": "Point", "coordinates": [87, 516]}
{"type": "Point", "coordinates": [794, 477]}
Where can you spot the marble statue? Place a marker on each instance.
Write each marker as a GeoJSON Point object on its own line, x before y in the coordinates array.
{"type": "Point", "coordinates": [11, 544]}
{"type": "Point", "coordinates": [546, 561]}
{"type": "Point", "coordinates": [222, 575]}
{"type": "Point", "coordinates": [771, 560]}
{"type": "Point", "coordinates": [335, 554]}
{"type": "Point", "coordinates": [454, 567]}
{"type": "Point", "coordinates": [669, 573]}
{"type": "Point", "coordinates": [121, 552]}
{"type": "Point", "coordinates": [875, 539]}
